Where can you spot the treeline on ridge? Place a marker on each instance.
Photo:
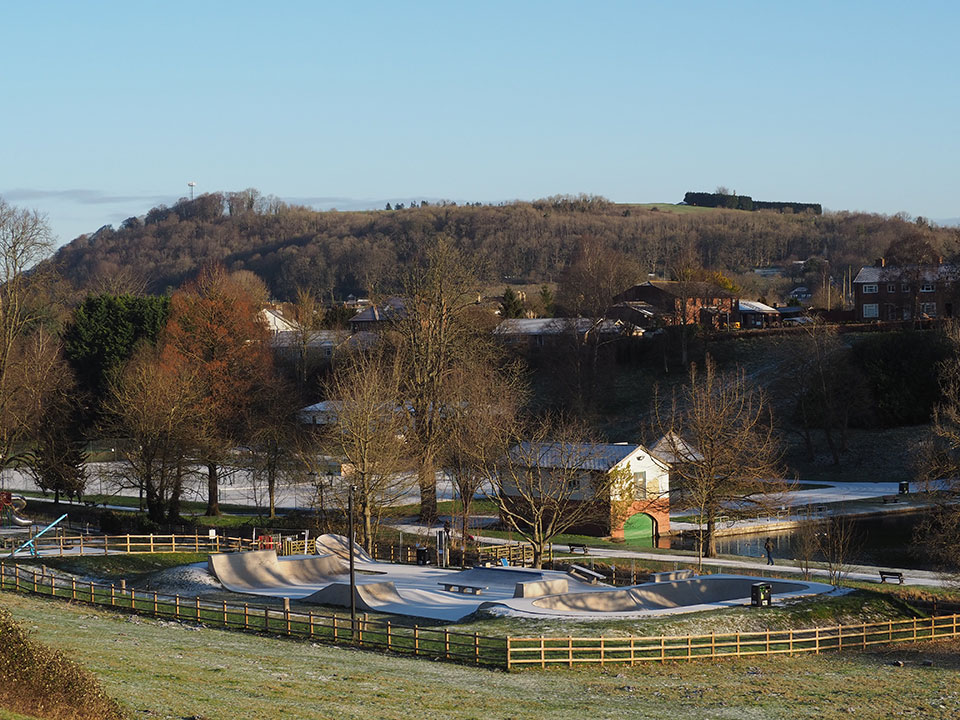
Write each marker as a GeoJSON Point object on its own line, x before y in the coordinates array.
{"type": "Point", "coordinates": [745, 202]}
{"type": "Point", "coordinates": [352, 252]}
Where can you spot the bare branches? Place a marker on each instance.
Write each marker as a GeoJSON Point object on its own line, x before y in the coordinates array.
{"type": "Point", "coordinates": [720, 435]}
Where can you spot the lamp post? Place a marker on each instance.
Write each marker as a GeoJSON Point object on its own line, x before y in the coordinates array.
{"type": "Point", "coordinates": [353, 575]}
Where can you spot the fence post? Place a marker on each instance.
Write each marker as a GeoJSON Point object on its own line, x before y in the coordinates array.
{"type": "Point", "coordinates": [73, 588]}
{"type": "Point", "coordinates": [569, 651]}
{"type": "Point", "coordinates": [266, 620]}
{"type": "Point", "coordinates": [81, 544]}
{"type": "Point", "coordinates": [663, 651]}
{"type": "Point", "coordinates": [509, 653]}
{"type": "Point", "coordinates": [155, 609]}
{"type": "Point", "coordinates": [839, 637]}
{"type": "Point", "coordinates": [816, 640]}
{"type": "Point", "coordinates": [416, 639]}
{"type": "Point", "coordinates": [128, 542]}
{"type": "Point", "coordinates": [176, 606]}
{"type": "Point", "coordinates": [197, 606]}
{"type": "Point", "coordinates": [476, 647]}
{"type": "Point", "coordinates": [93, 597]}
{"type": "Point", "coordinates": [388, 636]}
{"type": "Point", "coordinates": [225, 613]}
{"type": "Point", "coordinates": [106, 543]}
{"type": "Point", "coordinates": [446, 643]}
{"type": "Point", "coordinates": [113, 595]}
{"type": "Point", "coordinates": [246, 617]}
{"type": "Point", "coordinates": [309, 616]}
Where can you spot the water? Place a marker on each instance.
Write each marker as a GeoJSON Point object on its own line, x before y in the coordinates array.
{"type": "Point", "coordinates": [886, 541]}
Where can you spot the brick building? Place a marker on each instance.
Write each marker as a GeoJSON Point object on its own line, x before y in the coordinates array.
{"type": "Point", "coordinates": [896, 293]}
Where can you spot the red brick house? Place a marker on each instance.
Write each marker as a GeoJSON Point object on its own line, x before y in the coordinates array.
{"type": "Point", "coordinates": [685, 303]}
{"type": "Point", "coordinates": [896, 293]}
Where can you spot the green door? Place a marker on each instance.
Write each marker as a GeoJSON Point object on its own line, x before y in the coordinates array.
{"type": "Point", "coordinates": [638, 528]}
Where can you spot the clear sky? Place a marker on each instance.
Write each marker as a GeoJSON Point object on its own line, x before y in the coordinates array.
{"type": "Point", "coordinates": [110, 108]}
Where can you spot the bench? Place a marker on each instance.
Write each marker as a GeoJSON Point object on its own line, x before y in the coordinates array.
{"type": "Point", "coordinates": [585, 573]}
{"type": "Point", "coordinates": [890, 499]}
{"type": "Point", "coordinates": [461, 588]}
{"type": "Point", "coordinates": [579, 546]}
{"type": "Point", "coordinates": [884, 574]}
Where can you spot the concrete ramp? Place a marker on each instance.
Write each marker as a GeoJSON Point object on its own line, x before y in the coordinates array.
{"type": "Point", "coordinates": [682, 593]}
{"type": "Point", "coordinates": [373, 597]}
{"type": "Point", "coordinates": [255, 570]}
{"type": "Point", "coordinates": [331, 544]}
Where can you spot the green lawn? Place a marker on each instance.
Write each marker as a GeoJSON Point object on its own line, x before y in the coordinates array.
{"type": "Point", "coordinates": [170, 670]}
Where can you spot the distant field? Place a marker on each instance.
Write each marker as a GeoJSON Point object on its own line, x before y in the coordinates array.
{"type": "Point", "coordinates": [167, 670]}
{"type": "Point", "coordinates": [673, 208]}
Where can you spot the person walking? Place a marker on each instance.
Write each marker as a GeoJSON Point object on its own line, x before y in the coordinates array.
{"type": "Point", "coordinates": [768, 546]}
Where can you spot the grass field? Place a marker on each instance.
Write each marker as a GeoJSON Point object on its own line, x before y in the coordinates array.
{"type": "Point", "coordinates": [168, 670]}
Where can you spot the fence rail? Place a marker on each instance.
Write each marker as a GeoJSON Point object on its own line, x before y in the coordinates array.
{"type": "Point", "coordinates": [63, 544]}
{"type": "Point", "coordinates": [570, 651]}
{"type": "Point", "coordinates": [443, 644]}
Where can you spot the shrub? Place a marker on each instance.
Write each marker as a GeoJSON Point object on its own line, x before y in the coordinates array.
{"type": "Point", "coordinates": [42, 682]}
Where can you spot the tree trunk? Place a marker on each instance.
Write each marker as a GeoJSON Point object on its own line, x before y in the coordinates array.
{"type": "Point", "coordinates": [427, 479]}
{"type": "Point", "coordinates": [272, 490]}
{"type": "Point", "coordinates": [213, 490]}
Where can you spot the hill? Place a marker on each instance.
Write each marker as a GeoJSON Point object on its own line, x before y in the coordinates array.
{"type": "Point", "coordinates": [344, 252]}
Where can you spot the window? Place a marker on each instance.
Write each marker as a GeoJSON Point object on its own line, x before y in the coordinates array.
{"type": "Point", "coordinates": [871, 310]}
{"type": "Point", "coordinates": [929, 309]}
{"type": "Point", "coordinates": [640, 486]}
{"type": "Point", "coordinates": [928, 287]}
{"type": "Point", "coordinates": [891, 287]}
{"type": "Point", "coordinates": [905, 287]}
{"type": "Point", "coordinates": [869, 289]}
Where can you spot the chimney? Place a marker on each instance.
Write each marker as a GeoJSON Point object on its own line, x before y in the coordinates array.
{"type": "Point", "coordinates": [881, 262]}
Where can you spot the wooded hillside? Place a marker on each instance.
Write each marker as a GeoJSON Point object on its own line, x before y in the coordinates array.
{"type": "Point", "coordinates": [346, 252]}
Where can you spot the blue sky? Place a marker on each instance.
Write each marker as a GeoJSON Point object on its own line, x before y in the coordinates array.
{"type": "Point", "coordinates": [110, 108]}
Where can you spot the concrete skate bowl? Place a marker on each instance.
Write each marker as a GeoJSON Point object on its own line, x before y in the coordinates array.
{"type": "Point", "coordinates": [330, 544]}
{"type": "Point", "coordinates": [707, 590]}
{"type": "Point", "coordinates": [373, 597]}
{"type": "Point", "coordinates": [258, 569]}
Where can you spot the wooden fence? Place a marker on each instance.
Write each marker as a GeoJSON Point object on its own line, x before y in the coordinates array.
{"type": "Point", "coordinates": [63, 544]}
{"type": "Point", "coordinates": [570, 651]}
{"type": "Point", "coordinates": [441, 644]}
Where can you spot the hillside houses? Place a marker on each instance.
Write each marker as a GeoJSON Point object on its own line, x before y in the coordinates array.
{"type": "Point", "coordinates": [888, 292]}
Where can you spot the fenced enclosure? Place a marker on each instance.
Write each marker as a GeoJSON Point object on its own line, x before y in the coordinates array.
{"type": "Point", "coordinates": [436, 643]}
{"type": "Point", "coordinates": [545, 651]}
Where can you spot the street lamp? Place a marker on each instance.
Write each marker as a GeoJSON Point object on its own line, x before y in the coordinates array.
{"type": "Point", "coordinates": [353, 575]}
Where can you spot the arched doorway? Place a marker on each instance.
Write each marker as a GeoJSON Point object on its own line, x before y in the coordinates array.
{"type": "Point", "coordinates": [639, 528]}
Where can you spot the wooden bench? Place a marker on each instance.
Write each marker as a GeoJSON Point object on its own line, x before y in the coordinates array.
{"type": "Point", "coordinates": [473, 589]}
{"type": "Point", "coordinates": [884, 574]}
{"type": "Point", "coordinates": [890, 499]}
{"type": "Point", "coordinates": [579, 546]}
{"type": "Point", "coordinates": [585, 573]}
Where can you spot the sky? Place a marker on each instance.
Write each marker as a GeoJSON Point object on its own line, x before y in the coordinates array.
{"type": "Point", "coordinates": [111, 108]}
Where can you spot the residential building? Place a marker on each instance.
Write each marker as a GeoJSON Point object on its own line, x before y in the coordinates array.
{"type": "Point", "coordinates": [888, 292]}
{"type": "Point", "coordinates": [685, 303]}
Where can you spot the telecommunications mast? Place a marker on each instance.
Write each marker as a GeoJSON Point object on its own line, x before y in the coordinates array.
{"type": "Point", "coordinates": [191, 185]}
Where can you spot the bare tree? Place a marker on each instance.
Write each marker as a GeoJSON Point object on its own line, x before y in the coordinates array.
{"type": "Point", "coordinates": [308, 315]}
{"type": "Point", "coordinates": [434, 343]}
{"type": "Point", "coordinates": [368, 434]}
{"type": "Point", "coordinates": [155, 403]}
{"type": "Point", "coordinates": [548, 482]}
{"type": "Point", "coordinates": [839, 543]}
{"type": "Point", "coordinates": [481, 428]}
{"type": "Point", "coordinates": [720, 429]}
{"type": "Point", "coordinates": [25, 239]}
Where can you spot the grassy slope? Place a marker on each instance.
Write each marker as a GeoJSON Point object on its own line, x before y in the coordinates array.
{"type": "Point", "coordinates": [161, 670]}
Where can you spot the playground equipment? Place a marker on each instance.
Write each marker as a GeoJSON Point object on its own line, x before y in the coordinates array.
{"type": "Point", "coordinates": [10, 507]}
{"type": "Point", "coordinates": [29, 544]}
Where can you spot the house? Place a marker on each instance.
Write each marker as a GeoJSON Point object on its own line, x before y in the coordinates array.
{"type": "Point", "coordinates": [801, 293]}
{"type": "Point", "coordinates": [639, 314]}
{"type": "Point", "coordinates": [887, 292]}
{"type": "Point", "coordinates": [276, 322]}
{"type": "Point", "coordinates": [375, 316]}
{"type": "Point", "coordinates": [637, 506]}
{"type": "Point", "coordinates": [754, 314]}
{"type": "Point", "coordinates": [685, 303]}
{"type": "Point", "coordinates": [539, 333]}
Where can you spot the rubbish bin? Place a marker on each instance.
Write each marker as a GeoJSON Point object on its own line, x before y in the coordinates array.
{"type": "Point", "coordinates": [904, 487]}
{"type": "Point", "coordinates": [760, 594]}
{"type": "Point", "coordinates": [421, 556]}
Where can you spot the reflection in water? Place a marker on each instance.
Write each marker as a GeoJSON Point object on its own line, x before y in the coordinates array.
{"type": "Point", "coordinates": [887, 541]}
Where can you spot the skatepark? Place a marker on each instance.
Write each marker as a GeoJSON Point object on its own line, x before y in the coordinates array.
{"type": "Point", "coordinates": [453, 594]}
